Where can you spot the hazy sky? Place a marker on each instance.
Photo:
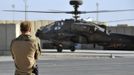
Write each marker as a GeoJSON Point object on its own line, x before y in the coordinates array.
{"type": "Point", "coordinates": [63, 5]}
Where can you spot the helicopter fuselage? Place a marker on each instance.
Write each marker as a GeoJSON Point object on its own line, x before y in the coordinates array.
{"type": "Point", "coordinates": [84, 33]}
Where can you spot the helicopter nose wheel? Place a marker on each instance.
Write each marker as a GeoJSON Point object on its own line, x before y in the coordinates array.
{"type": "Point", "coordinates": [59, 48]}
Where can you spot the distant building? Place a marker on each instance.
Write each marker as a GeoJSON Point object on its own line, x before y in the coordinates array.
{"type": "Point", "coordinates": [7, 33]}
{"type": "Point", "coordinates": [122, 29]}
{"type": "Point", "coordinates": [10, 30]}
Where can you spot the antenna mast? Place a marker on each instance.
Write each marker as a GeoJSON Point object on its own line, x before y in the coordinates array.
{"type": "Point", "coordinates": [97, 14]}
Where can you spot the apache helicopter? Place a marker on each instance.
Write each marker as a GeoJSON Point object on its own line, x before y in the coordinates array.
{"type": "Point", "coordinates": [73, 31]}
{"type": "Point", "coordinates": [66, 33]}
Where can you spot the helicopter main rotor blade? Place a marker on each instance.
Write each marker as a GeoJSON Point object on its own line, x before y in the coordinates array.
{"type": "Point", "coordinates": [39, 11]}
{"type": "Point", "coordinates": [106, 11]}
{"type": "Point", "coordinates": [72, 12]}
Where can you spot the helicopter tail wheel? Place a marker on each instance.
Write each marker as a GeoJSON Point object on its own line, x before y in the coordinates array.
{"type": "Point", "coordinates": [59, 48]}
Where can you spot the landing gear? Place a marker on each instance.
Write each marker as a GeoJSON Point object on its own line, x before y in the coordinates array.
{"type": "Point", "coordinates": [72, 48]}
{"type": "Point", "coordinates": [59, 48]}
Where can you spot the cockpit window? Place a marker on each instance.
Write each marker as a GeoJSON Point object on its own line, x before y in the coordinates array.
{"type": "Point", "coordinates": [62, 23]}
{"type": "Point", "coordinates": [57, 28]}
{"type": "Point", "coordinates": [58, 25]}
{"type": "Point", "coordinates": [53, 26]}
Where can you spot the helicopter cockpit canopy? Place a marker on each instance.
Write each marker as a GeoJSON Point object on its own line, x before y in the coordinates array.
{"type": "Point", "coordinates": [53, 26]}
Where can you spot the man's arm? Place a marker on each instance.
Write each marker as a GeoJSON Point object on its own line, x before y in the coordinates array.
{"type": "Point", "coordinates": [39, 47]}
{"type": "Point", "coordinates": [38, 50]}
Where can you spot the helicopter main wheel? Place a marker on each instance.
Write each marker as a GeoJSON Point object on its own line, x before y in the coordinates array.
{"type": "Point", "coordinates": [59, 48]}
{"type": "Point", "coordinates": [72, 49]}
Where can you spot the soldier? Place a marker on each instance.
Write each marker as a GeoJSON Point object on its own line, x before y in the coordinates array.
{"type": "Point", "coordinates": [25, 51]}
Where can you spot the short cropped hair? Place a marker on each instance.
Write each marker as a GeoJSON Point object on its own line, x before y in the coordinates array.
{"type": "Point", "coordinates": [25, 26]}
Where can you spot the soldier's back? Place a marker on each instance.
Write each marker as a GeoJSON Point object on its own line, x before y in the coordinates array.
{"type": "Point", "coordinates": [23, 49]}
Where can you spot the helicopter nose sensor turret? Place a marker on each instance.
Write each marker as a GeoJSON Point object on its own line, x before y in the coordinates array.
{"type": "Point", "coordinates": [76, 2]}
